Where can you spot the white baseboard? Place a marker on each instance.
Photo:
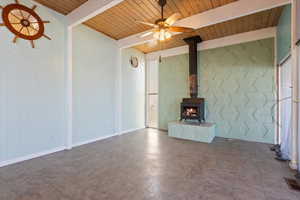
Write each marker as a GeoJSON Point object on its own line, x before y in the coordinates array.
{"type": "Point", "coordinates": [44, 153]}
{"type": "Point", "coordinates": [93, 140]}
{"type": "Point", "coordinates": [106, 137]}
{"type": "Point", "coordinates": [31, 156]}
{"type": "Point", "coordinates": [131, 130]}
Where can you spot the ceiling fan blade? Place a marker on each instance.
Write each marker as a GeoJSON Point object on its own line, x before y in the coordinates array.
{"type": "Point", "coordinates": [147, 23]}
{"type": "Point", "coordinates": [146, 34]}
{"type": "Point", "coordinates": [180, 29]}
{"type": "Point", "coordinates": [172, 19]}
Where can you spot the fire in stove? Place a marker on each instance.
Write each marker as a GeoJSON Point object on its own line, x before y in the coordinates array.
{"type": "Point", "coordinates": [190, 112]}
{"type": "Point", "coordinates": [193, 109]}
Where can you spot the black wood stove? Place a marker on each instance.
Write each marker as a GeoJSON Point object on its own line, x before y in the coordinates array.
{"type": "Point", "coordinates": [193, 108]}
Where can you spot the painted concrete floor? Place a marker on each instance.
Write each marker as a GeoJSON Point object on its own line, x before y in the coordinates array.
{"type": "Point", "coordinates": [147, 164]}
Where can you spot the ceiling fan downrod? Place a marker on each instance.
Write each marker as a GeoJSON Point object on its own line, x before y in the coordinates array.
{"type": "Point", "coordinates": [162, 4]}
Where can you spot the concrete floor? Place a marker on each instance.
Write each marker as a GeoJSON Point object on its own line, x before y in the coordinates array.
{"type": "Point", "coordinates": [147, 164]}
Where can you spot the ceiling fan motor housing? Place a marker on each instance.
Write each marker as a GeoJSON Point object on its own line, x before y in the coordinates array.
{"type": "Point", "coordinates": [160, 21]}
{"type": "Point", "coordinates": [163, 28]}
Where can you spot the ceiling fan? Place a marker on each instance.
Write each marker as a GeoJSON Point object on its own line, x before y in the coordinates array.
{"type": "Point", "coordinates": [162, 28]}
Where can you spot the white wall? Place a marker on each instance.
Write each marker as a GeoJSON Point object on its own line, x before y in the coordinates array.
{"type": "Point", "coordinates": [133, 91]}
{"type": "Point", "coordinates": [32, 91]}
{"type": "Point", "coordinates": [95, 59]}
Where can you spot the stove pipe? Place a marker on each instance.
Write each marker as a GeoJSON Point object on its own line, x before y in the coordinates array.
{"type": "Point", "coordinates": [193, 80]}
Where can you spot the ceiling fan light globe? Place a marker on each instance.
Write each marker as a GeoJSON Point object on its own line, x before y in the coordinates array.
{"type": "Point", "coordinates": [162, 34]}
{"type": "Point", "coordinates": [156, 35]}
{"type": "Point", "coordinates": [161, 37]}
{"type": "Point", "coordinates": [168, 35]}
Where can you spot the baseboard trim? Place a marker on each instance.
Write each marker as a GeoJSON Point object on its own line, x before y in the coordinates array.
{"type": "Point", "coordinates": [131, 130]}
{"type": "Point", "coordinates": [31, 156]}
{"type": "Point", "coordinates": [93, 140]}
{"type": "Point", "coordinates": [44, 153]}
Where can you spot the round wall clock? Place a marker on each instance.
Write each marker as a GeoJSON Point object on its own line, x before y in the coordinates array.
{"type": "Point", "coordinates": [134, 61]}
{"type": "Point", "coordinates": [23, 22]}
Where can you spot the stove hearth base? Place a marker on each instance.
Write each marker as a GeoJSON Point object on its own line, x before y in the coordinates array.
{"type": "Point", "coordinates": [204, 132]}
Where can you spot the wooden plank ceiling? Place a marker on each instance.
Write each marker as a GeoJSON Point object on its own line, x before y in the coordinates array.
{"type": "Point", "coordinates": [268, 18]}
{"type": "Point", "coordinates": [119, 21]}
{"type": "Point", "coordinates": [62, 6]}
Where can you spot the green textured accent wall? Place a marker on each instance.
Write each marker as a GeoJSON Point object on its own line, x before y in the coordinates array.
{"type": "Point", "coordinates": [238, 84]}
{"type": "Point", "coordinates": [173, 86]}
{"type": "Point", "coordinates": [284, 33]}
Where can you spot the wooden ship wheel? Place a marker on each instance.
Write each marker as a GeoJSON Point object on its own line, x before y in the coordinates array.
{"type": "Point", "coordinates": [23, 22]}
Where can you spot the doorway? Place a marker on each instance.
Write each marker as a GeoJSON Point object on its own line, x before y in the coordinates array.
{"type": "Point", "coordinates": [152, 93]}
{"type": "Point", "coordinates": [285, 107]}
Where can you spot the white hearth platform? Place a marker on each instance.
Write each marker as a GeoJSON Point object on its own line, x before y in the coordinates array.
{"type": "Point", "coordinates": [204, 132]}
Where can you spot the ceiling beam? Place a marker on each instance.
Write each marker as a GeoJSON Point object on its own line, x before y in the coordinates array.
{"type": "Point", "coordinates": [89, 10]}
{"type": "Point", "coordinates": [214, 16]}
{"type": "Point", "coordinates": [217, 43]}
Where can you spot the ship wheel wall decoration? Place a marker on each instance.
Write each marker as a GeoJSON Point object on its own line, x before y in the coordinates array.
{"type": "Point", "coordinates": [23, 22]}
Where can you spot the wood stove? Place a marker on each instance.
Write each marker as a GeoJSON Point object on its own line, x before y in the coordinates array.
{"type": "Point", "coordinates": [193, 108]}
